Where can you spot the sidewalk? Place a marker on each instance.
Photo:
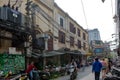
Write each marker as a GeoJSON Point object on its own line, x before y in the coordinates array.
{"type": "Point", "coordinates": [90, 77]}
{"type": "Point", "coordinates": [82, 75]}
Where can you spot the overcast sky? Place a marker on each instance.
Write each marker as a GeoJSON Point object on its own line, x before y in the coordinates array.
{"type": "Point", "coordinates": [98, 15]}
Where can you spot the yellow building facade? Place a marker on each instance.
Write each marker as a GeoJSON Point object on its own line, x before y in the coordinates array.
{"type": "Point", "coordinates": [49, 18]}
{"type": "Point", "coordinates": [72, 30]}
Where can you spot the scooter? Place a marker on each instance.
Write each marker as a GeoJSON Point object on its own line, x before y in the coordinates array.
{"type": "Point", "coordinates": [40, 75]}
{"type": "Point", "coordinates": [114, 74]}
{"type": "Point", "coordinates": [23, 77]}
{"type": "Point", "coordinates": [73, 72]}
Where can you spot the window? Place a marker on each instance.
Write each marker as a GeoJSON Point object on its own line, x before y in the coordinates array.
{"type": "Point", "coordinates": [61, 22]}
{"type": "Point", "coordinates": [84, 36]}
{"type": "Point", "coordinates": [79, 44]}
{"type": "Point", "coordinates": [61, 37]}
{"type": "Point", "coordinates": [95, 35]}
{"type": "Point", "coordinates": [50, 44]}
{"type": "Point", "coordinates": [84, 46]}
{"type": "Point", "coordinates": [71, 41]}
{"type": "Point", "coordinates": [72, 28]}
{"type": "Point", "coordinates": [79, 32]}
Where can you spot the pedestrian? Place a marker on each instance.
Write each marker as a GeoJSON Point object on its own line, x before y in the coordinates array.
{"type": "Point", "coordinates": [74, 63]}
{"type": "Point", "coordinates": [109, 64]}
{"type": "Point", "coordinates": [83, 65]}
{"type": "Point", "coordinates": [78, 64]}
{"type": "Point", "coordinates": [30, 70]}
{"type": "Point", "coordinates": [96, 68]}
{"type": "Point", "coordinates": [104, 68]}
{"type": "Point", "coordinates": [106, 60]}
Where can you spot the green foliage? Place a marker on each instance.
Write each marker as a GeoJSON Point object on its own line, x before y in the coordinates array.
{"type": "Point", "coordinates": [12, 62]}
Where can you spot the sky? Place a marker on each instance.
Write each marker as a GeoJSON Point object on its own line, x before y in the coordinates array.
{"type": "Point", "coordinates": [97, 15]}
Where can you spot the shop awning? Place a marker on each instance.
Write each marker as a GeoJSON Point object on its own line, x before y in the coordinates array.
{"type": "Point", "coordinates": [51, 53]}
{"type": "Point", "coordinates": [89, 54]}
{"type": "Point", "coordinates": [36, 55]}
{"type": "Point", "coordinates": [83, 53]}
{"type": "Point", "coordinates": [55, 53]}
{"type": "Point", "coordinates": [74, 52]}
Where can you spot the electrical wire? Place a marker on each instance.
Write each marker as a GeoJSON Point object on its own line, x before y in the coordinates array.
{"type": "Point", "coordinates": [84, 13]}
{"type": "Point", "coordinates": [47, 20]}
{"type": "Point", "coordinates": [112, 7]}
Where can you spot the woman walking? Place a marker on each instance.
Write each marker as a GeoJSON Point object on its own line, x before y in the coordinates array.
{"type": "Point", "coordinates": [104, 68]}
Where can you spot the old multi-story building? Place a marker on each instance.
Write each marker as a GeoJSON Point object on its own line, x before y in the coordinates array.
{"type": "Point", "coordinates": [94, 34]}
{"type": "Point", "coordinates": [117, 20]}
{"type": "Point", "coordinates": [71, 35]}
{"type": "Point", "coordinates": [49, 28]}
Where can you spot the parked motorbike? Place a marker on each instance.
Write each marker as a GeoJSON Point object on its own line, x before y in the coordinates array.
{"type": "Point", "coordinates": [7, 76]}
{"type": "Point", "coordinates": [114, 74]}
{"type": "Point", "coordinates": [116, 71]}
{"type": "Point", "coordinates": [23, 77]}
{"type": "Point", "coordinates": [44, 76]}
{"type": "Point", "coordinates": [73, 72]}
{"type": "Point", "coordinates": [40, 75]}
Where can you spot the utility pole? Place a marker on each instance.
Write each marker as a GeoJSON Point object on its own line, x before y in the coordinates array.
{"type": "Point", "coordinates": [28, 26]}
{"type": "Point", "coordinates": [118, 8]}
{"type": "Point", "coordinates": [43, 38]}
{"type": "Point", "coordinates": [119, 38]}
{"type": "Point", "coordinates": [28, 8]}
{"type": "Point", "coordinates": [33, 26]}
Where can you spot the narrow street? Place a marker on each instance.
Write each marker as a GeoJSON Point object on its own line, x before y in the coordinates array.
{"type": "Point", "coordinates": [42, 39]}
{"type": "Point", "coordinates": [85, 73]}
{"type": "Point", "coordinates": [82, 75]}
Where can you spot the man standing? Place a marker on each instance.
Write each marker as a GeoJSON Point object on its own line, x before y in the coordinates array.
{"type": "Point", "coordinates": [96, 68]}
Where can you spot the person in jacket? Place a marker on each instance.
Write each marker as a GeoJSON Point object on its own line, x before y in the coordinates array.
{"type": "Point", "coordinates": [96, 68]}
{"type": "Point", "coordinates": [30, 70]}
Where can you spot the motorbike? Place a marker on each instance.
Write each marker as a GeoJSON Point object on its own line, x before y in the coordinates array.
{"type": "Point", "coordinates": [44, 76]}
{"type": "Point", "coordinates": [40, 75]}
{"type": "Point", "coordinates": [114, 74]}
{"type": "Point", "coordinates": [73, 72]}
{"type": "Point", "coordinates": [23, 77]}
